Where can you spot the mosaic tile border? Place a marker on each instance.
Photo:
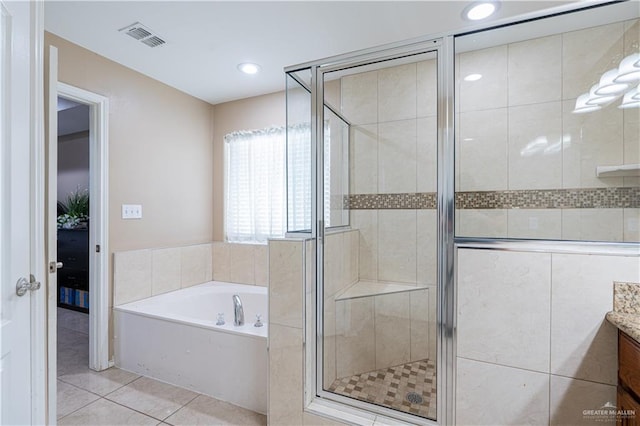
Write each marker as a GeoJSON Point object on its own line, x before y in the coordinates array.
{"type": "Point", "coordinates": [588, 198]}
{"type": "Point", "coordinates": [420, 200]}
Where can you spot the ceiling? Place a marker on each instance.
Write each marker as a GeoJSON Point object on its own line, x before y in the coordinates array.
{"type": "Point", "coordinates": [206, 40]}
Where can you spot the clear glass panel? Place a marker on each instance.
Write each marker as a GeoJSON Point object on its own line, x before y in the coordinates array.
{"type": "Point", "coordinates": [545, 147]}
{"type": "Point", "coordinates": [379, 302]}
{"type": "Point", "coordinates": [299, 175]}
{"type": "Point", "coordinates": [336, 169]}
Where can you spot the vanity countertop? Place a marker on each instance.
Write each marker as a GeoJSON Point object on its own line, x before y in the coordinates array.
{"type": "Point", "coordinates": [626, 309]}
{"type": "Point", "coordinates": [628, 323]}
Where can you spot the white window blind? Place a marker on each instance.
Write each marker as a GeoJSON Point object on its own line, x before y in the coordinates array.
{"type": "Point", "coordinates": [255, 182]}
{"type": "Point", "coordinates": [255, 185]}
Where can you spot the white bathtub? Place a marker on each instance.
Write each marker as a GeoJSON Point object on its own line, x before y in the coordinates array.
{"type": "Point", "coordinates": [173, 337]}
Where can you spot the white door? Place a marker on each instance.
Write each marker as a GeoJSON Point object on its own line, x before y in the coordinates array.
{"type": "Point", "coordinates": [16, 348]}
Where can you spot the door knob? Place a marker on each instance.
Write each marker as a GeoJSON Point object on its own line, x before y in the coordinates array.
{"type": "Point", "coordinates": [22, 286]}
{"type": "Point", "coordinates": [54, 266]}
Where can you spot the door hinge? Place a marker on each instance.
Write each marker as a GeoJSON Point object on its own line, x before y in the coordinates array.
{"type": "Point", "coordinates": [97, 248]}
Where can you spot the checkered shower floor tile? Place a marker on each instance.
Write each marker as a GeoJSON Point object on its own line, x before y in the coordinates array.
{"type": "Point", "coordinates": [390, 386]}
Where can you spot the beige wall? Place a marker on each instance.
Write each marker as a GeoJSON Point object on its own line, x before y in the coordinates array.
{"type": "Point", "coordinates": [160, 152]}
{"type": "Point", "coordinates": [246, 114]}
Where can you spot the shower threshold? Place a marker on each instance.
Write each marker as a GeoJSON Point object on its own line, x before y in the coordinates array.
{"type": "Point", "coordinates": [410, 387]}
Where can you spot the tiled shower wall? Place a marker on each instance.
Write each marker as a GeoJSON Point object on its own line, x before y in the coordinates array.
{"type": "Point", "coordinates": [393, 159]}
{"type": "Point", "coordinates": [533, 345]}
{"type": "Point", "coordinates": [517, 132]}
{"type": "Point", "coordinates": [372, 332]}
{"type": "Point", "coordinates": [139, 274]}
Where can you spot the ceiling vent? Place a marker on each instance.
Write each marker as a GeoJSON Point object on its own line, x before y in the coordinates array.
{"type": "Point", "coordinates": [143, 34]}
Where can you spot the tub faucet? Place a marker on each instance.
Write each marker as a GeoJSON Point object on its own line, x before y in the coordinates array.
{"type": "Point", "coordinates": [238, 312]}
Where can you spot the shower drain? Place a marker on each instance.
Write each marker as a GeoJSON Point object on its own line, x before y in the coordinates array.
{"type": "Point", "coordinates": [414, 398]}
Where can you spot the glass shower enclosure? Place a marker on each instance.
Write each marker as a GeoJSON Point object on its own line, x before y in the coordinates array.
{"type": "Point", "coordinates": [363, 184]}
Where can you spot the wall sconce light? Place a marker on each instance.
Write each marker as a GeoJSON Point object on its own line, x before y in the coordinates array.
{"type": "Point", "coordinates": [607, 85]}
{"type": "Point", "coordinates": [582, 105]}
{"type": "Point", "coordinates": [629, 100]}
{"type": "Point", "coordinates": [628, 71]}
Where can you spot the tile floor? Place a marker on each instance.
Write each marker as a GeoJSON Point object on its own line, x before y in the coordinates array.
{"type": "Point", "coordinates": [390, 386]}
{"type": "Point", "coordinates": [117, 397]}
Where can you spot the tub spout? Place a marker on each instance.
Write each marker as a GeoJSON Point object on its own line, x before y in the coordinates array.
{"type": "Point", "coordinates": [238, 312]}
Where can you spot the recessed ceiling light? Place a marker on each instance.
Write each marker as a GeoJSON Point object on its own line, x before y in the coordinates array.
{"type": "Point", "coordinates": [473, 77]}
{"type": "Point", "coordinates": [480, 10]}
{"type": "Point", "coordinates": [249, 68]}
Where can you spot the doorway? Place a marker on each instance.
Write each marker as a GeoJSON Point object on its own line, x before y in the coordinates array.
{"type": "Point", "coordinates": [73, 222]}
{"type": "Point", "coordinates": [77, 234]}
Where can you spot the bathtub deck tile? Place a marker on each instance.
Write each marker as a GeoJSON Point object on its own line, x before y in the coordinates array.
{"type": "Point", "coordinates": [205, 410]}
{"type": "Point", "coordinates": [151, 397]}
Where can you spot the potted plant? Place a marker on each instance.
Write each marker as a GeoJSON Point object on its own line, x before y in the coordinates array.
{"type": "Point", "coordinates": [74, 212]}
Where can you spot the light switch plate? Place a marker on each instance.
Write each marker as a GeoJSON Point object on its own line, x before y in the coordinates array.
{"type": "Point", "coordinates": [132, 211]}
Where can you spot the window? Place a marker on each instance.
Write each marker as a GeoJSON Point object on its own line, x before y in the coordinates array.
{"type": "Point", "coordinates": [255, 182]}
{"type": "Point", "coordinates": [255, 185]}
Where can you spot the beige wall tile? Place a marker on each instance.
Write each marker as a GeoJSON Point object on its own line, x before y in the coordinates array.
{"type": "Point", "coordinates": [631, 143]}
{"type": "Point", "coordinates": [355, 339]}
{"type": "Point", "coordinates": [364, 159]}
{"type": "Point", "coordinates": [397, 245]}
{"type": "Point", "coordinates": [329, 351]}
{"type": "Point", "coordinates": [397, 93]}
{"type": "Point", "coordinates": [397, 156]}
{"type": "Point", "coordinates": [286, 281]}
{"type": "Point", "coordinates": [221, 258]}
{"type": "Point", "coordinates": [392, 329]}
{"type": "Point", "coordinates": [535, 70]}
{"type": "Point", "coordinates": [165, 270]}
{"type": "Point", "coordinates": [490, 91]}
{"type": "Point", "coordinates": [631, 225]}
{"type": "Point", "coordinates": [196, 264]}
{"type": "Point", "coordinates": [489, 394]}
{"type": "Point", "coordinates": [482, 223]}
{"type": "Point", "coordinates": [427, 155]}
{"type": "Point", "coordinates": [360, 97]}
{"type": "Point", "coordinates": [241, 264]}
{"type": "Point", "coordinates": [495, 289]}
{"type": "Point", "coordinates": [591, 140]}
{"type": "Point", "coordinates": [427, 96]}
{"type": "Point", "coordinates": [586, 55]}
{"type": "Point", "coordinates": [592, 224]}
{"type": "Point", "coordinates": [427, 246]}
{"type": "Point", "coordinates": [285, 375]}
{"type": "Point", "coordinates": [131, 276]}
{"type": "Point", "coordinates": [569, 398]}
{"type": "Point", "coordinates": [631, 36]}
{"type": "Point", "coordinates": [366, 222]}
{"type": "Point", "coordinates": [535, 223]}
{"type": "Point", "coordinates": [483, 150]}
{"type": "Point", "coordinates": [535, 146]}
{"type": "Point", "coordinates": [334, 260]}
{"type": "Point", "coordinates": [631, 115]}
{"type": "Point", "coordinates": [583, 343]}
{"type": "Point", "coordinates": [351, 256]}
{"type": "Point", "coordinates": [420, 324]}
{"type": "Point", "coordinates": [261, 266]}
